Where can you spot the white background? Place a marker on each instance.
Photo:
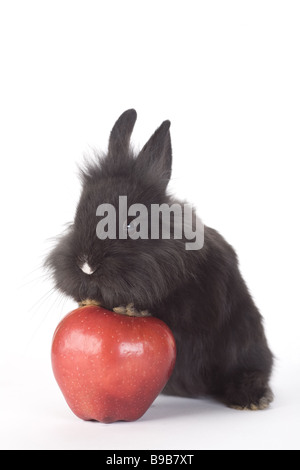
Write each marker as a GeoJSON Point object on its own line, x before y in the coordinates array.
{"type": "Point", "coordinates": [227, 75]}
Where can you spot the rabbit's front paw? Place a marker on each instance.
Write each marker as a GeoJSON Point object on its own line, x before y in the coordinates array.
{"type": "Point", "coordinates": [131, 311]}
{"type": "Point", "coordinates": [86, 302]}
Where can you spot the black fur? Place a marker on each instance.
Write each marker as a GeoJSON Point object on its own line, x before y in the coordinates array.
{"type": "Point", "coordinates": [221, 345]}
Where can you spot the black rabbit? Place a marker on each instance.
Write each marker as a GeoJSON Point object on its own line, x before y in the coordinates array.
{"type": "Point", "coordinates": [200, 294]}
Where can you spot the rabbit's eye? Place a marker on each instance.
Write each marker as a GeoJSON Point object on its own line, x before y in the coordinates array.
{"type": "Point", "coordinates": [130, 227]}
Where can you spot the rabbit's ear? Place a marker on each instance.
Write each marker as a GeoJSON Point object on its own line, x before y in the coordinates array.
{"type": "Point", "coordinates": [156, 155]}
{"type": "Point", "coordinates": [121, 132]}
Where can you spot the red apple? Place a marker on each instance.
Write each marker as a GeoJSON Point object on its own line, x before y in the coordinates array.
{"type": "Point", "coordinates": [111, 367]}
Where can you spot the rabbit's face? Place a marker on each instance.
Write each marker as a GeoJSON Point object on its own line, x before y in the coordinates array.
{"type": "Point", "coordinates": [119, 268]}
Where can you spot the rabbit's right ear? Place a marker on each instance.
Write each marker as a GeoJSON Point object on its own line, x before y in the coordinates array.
{"type": "Point", "coordinates": [156, 156]}
{"type": "Point", "coordinates": [119, 139]}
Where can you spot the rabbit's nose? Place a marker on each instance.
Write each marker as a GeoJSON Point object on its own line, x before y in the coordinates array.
{"type": "Point", "coordinates": [87, 269]}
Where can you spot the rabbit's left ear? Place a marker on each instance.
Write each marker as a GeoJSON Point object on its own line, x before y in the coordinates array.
{"type": "Point", "coordinates": [156, 156]}
{"type": "Point", "coordinates": [119, 139]}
